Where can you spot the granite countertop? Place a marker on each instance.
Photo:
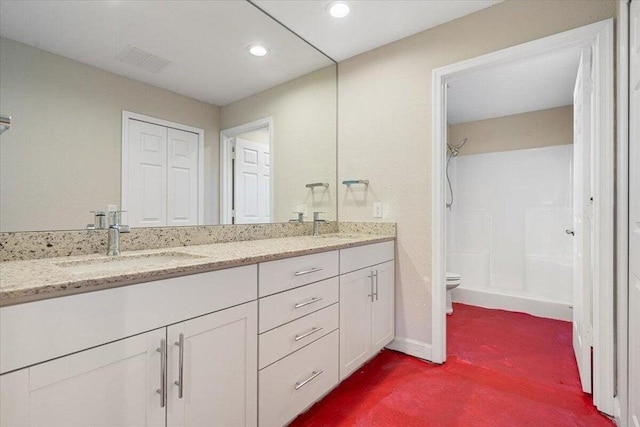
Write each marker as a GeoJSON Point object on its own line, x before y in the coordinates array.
{"type": "Point", "coordinates": [38, 279]}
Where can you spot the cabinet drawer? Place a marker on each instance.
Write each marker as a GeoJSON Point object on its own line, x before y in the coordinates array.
{"type": "Point", "coordinates": [292, 384]}
{"type": "Point", "coordinates": [364, 256]}
{"type": "Point", "coordinates": [278, 276]}
{"type": "Point", "coordinates": [287, 306]}
{"type": "Point", "coordinates": [282, 341]}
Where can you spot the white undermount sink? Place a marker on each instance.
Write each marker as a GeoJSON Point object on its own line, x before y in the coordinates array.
{"type": "Point", "coordinates": [125, 262]}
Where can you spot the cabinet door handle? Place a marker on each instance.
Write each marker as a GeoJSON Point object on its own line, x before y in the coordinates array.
{"type": "Point", "coordinates": [311, 301]}
{"type": "Point", "coordinates": [313, 270]}
{"type": "Point", "coordinates": [162, 391]}
{"type": "Point", "coordinates": [180, 382]}
{"type": "Point", "coordinates": [306, 334]}
{"type": "Point", "coordinates": [376, 273]}
{"type": "Point", "coordinates": [371, 283]}
{"type": "Point", "coordinates": [314, 375]}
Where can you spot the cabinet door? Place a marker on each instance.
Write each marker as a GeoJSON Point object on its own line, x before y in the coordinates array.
{"type": "Point", "coordinates": [219, 369]}
{"type": "Point", "coordinates": [383, 307]}
{"type": "Point", "coordinates": [111, 385]}
{"type": "Point", "coordinates": [355, 320]}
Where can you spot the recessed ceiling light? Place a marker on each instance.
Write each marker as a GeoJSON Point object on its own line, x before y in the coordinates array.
{"type": "Point", "coordinates": [258, 50]}
{"type": "Point", "coordinates": [338, 9]}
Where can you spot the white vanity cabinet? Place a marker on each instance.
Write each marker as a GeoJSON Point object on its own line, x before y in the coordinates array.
{"type": "Point", "coordinates": [246, 346]}
{"type": "Point", "coordinates": [111, 385]}
{"type": "Point", "coordinates": [131, 381]}
{"type": "Point", "coordinates": [212, 369]}
{"type": "Point", "coordinates": [298, 338]}
{"type": "Point", "coordinates": [367, 300]}
{"type": "Point", "coordinates": [190, 374]}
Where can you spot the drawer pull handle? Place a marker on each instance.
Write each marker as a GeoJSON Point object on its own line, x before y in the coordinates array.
{"type": "Point", "coordinates": [311, 301]}
{"type": "Point", "coordinates": [314, 374]}
{"type": "Point", "coordinates": [306, 334]}
{"type": "Point", "coordinates": [313, 270]}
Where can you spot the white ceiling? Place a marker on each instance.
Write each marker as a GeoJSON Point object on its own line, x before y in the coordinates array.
{"type": "Point", "coordinates": [371, 23]}
{"type": "Point", "coordinates": [206, 42]}
{"type": "Point", "coordinates": [539, 84]}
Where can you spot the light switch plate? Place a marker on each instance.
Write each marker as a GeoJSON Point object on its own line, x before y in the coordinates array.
{"type": "Point", "coordinates": [377, 209]}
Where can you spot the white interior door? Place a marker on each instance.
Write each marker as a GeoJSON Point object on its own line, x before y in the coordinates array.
{"type": "Point", "coordinates": [582, 323]}
{"type": "Point", "coordinates": [182, 179]}
{"type": "Point", "coordinates": [634, 216]}
{"type": "Point", "coordinates": [147, 175]}
{"type": "Point", "coordinates": [252, 182]}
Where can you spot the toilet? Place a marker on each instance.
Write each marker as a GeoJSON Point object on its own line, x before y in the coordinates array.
{"type": "Point", "coordinates": [453, 280]}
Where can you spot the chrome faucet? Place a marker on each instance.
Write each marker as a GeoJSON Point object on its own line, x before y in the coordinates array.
{"type": "Point", "coordinates": [115, 228]}
{"type": "Point", "coordinates": [316, 223]}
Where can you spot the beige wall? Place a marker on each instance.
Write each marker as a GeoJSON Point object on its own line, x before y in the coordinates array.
{"type": "Point", "coordinates": [544, 128]}
{"type": "Point", "coordinates": [61, 157]}
{"type": "Point", "coordinates": [304, 146]}
{"type": "Point", "coordinates": [385, 127]}
{"type": "Point", "coordinates": [260, 135]}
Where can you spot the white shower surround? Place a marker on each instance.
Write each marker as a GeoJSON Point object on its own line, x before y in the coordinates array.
{"type": "Point", "coordinates": [506, 230]}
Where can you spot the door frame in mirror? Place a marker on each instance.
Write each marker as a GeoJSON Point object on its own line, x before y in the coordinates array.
{"type": "Point", "coordinates": [124, 184]}
{"type": "Point", "coordinates": [226, 171]}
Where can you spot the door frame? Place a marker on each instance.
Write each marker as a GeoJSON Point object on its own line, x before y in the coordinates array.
{"type": "Point", "coordinates": [124, 184]}
{"type": "Point", "coordinates": [226, 171]}
{"type": "Point", "coordinates": [621, 403]}
{"type": "Point", "coordinates": [598, 36]}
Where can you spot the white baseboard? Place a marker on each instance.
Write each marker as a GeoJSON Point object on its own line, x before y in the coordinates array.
{"type": "Point", "coordinates": [536, 307]}
{"type": "Point", "coordinates": [414, 348]}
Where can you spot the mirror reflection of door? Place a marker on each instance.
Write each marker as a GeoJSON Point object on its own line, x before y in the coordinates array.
{"type": "Point", "coordinates": [248, 178]}
{"type": "Point", "coordinates": [252, 182]}
{"type": "Point", "coordinates": [161, 173]}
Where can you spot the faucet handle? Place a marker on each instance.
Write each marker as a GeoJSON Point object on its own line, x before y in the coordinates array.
{"type": "Point", "coordinates": [99, 221]}
{"type": "Point", "coordinates": [300, 216]}
{"type": "Point", "coordinates": [316, 215]}
{"type": "Point", "coordinates": [115, 217]}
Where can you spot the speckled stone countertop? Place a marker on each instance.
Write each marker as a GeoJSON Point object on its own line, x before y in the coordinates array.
{"type": "Point", "coordinates": [37, 279]}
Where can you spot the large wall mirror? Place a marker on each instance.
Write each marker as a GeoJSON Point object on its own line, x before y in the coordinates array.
{"type": "Point", "coordinates": [178, 112]}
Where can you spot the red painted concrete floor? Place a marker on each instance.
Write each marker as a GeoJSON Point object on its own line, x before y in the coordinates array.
{"type": "Point", "coordinates": [503, 369]}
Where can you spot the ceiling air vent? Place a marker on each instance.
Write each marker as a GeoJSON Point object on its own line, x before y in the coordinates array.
{"type": "Point", "coordinates": [137, 57]}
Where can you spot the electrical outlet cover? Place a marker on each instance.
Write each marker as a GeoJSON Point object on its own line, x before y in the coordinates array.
{"type": "Point", "coordinates": [377, 209]}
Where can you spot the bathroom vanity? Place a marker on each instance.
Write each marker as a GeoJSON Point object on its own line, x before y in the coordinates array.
{"type": "Point", "coordinates": [230, 334]}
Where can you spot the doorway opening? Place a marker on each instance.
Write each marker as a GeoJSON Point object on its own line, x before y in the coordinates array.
{"type": "Point", "coordinates": [246, 184]}
{"type": "Point", "coordinates": [530, 225]}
